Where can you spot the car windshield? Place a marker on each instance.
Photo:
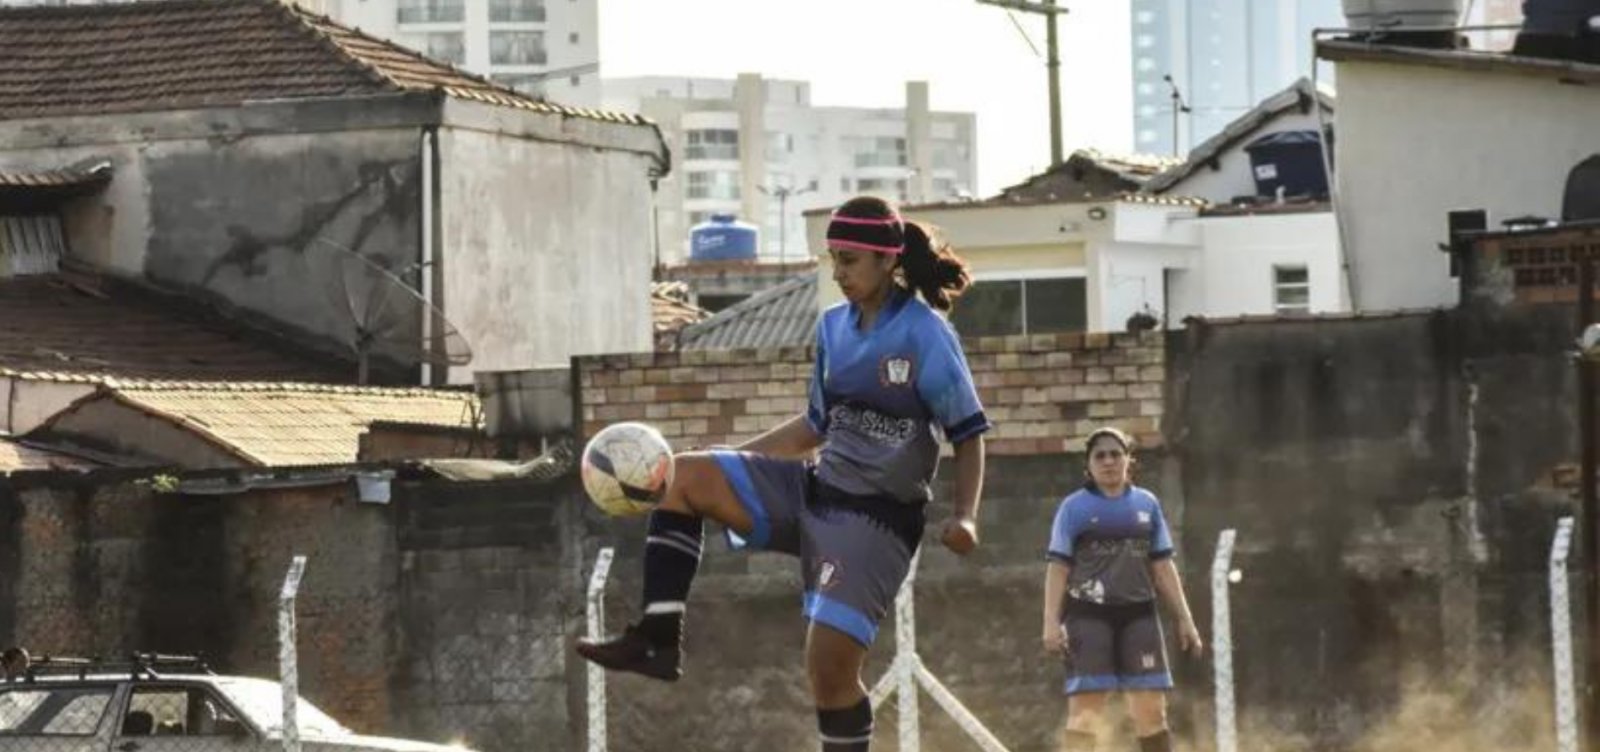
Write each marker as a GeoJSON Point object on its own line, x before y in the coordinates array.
{"type": "Point", "coordinates": [262, 701]}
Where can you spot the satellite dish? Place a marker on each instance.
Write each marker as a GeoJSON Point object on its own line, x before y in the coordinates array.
{"type": "Point", "coordinates": [382, 315]}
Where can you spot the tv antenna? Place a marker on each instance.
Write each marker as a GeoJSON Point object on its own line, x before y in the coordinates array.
{"type": "Point", "coordinates": [381, 315]}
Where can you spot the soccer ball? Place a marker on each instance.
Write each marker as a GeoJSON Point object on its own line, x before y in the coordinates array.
{"type": "Point", "coordinates": [627, 468]}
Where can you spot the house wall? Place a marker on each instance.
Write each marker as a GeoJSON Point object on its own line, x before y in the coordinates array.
{"type": "Point", "coordinates": [26, 403]}
{"type": "Point", "coordinates": [106, 424]}
{"type": "Point", "coordinates": [1416, 142]}
{"type": "Point", "coordinates": [243, 206]}
{"type": "Point", "coordinates": [546, 246]}
{"type": "Point", "coordinates": [1233, 271]}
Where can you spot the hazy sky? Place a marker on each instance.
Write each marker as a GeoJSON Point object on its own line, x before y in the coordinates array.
{"type": "Point", "coordinates": [861, 53]}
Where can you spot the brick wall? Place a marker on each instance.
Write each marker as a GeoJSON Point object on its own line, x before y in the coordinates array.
{"type": "Point", "coordinates": [1044, 392]}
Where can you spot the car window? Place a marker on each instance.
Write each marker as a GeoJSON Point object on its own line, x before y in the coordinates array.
{"type": "Point", "coordinates": [177, 711]}
{"type": "Point", "coordinates": [263, 702]}
{"type": "Point", "coordinates": [53, 711]}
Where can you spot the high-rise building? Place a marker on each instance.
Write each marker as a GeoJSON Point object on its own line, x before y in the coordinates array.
{"type": "Point", "coordinates": [758, 149]}
{"type": "Point", "coordinates": [548, 48]}
{"type": "Point", "coordinates": [1223, 56]}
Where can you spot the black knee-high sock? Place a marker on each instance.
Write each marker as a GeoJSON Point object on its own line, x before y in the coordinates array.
{"type": "Point", "coordinates": [1158, 742]}
{"type": "Point", "coordinates": [846, 729]}
{"type": "Point", "coordinates": [671, 557]}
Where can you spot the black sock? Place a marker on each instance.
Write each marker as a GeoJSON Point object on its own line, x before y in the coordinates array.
{"type": "Point", "coordinates": [1160, 741]}
{"type": "Point", "coordinates": [1079, 741]}
{"type": "Point", "coordinates": [671, 556]}
{"type": "Point", "coordinates": [846, 729]}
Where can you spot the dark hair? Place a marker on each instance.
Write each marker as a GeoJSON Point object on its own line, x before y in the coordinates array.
{"type": "Point", "coordinates": [930, 266]}
{"type": "Point", "coordinates": [1115, 434]}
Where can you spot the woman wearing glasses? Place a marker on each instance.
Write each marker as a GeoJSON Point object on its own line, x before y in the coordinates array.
{"type": "Point", "coordinates": [1110, 558]}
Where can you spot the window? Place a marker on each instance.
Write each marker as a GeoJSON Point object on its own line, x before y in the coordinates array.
{"type": "Point", "coordinates": [177, 711]}
{"type": "Point", "coordinates": [883, 151]}
{"type": "Point", "coordinates": [516, 11]}
{"type": "Point", "coordinates": [895, 189]}
{"type": "Point", "coordinates": [697, 218]}
{"type": "Point", "coordinates": [1022, 306]}
{"type": "Point", "coordinates": [1291, 290]}
{"type": "Point", "coordinates": [531, 84]}
{"type": "Point", "coordinates": [431, 11]}
{"type": "Point", "coordinates": [779, 147]}
{"type": "Point", "coordinates": [844, 186]}
{"type": "Point", "coordinates": [716, 185]}
{"type": "Point", "coordinates": [446, 46]}
{"type": "Point", "coordinates": [572, 38]}
{"type": "Point", "coordinates": [712, 144]}
{"type": "Point", "coordinates": [517, 48]}
{"type": "Point", "coordinates": [74, 711]}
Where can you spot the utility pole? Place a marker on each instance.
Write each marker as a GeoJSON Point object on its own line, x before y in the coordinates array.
{"type": "Point", "coordinates": [1050, 11]}
{"type": "Point", "coordinates": [1589, 497]}
{"type": "Point", "coordinates": [1179, 109]}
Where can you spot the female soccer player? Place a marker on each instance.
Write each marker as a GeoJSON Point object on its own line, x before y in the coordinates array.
{"type": "Point", "coordinates": [888, 370]}
{"type": "Point", "coordinates": [1110, 558]}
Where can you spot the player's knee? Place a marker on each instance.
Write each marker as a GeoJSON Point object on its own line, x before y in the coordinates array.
{"type": "Point", "coordinates": [1086, 713]}
{"type": "Point", "coordinates": [1149, 712]}
{"type": "Point", "coordinates": [833, 680]}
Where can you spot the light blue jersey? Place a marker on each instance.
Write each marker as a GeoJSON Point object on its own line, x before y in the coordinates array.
{"type": "Point", "coordinates": [1110, 543]}
{"type": "Point", "coordinates": [876, 396]}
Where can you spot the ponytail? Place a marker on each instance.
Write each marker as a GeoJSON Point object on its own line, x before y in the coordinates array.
{"type": "Point", "coordinates": [931, 268]}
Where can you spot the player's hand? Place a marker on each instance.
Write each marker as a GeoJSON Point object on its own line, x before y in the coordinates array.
{"type": "Point", "coordinates": [960, 535]}
{"type": "Point", "coordinates": [1055, 639]}
{"type": "Point", "coordinates": [1189, 639]}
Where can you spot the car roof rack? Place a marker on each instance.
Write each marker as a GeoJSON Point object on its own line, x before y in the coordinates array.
{"type": "Point", "coordinates": [135, 665]}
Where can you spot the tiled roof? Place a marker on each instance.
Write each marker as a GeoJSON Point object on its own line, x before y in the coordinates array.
{"type": "Point", "coordinates": [279, 424]}
{"type": "Point", "coordinates": [181, 54]}
{"type": "Point", "coordinates": [92, 174]}
{"type": "Point", "coordinates": [56, 324]}
{"type": "Point", "coordinates": [782, 316]}
{"type": "Point", "coordinates": [16, 456]}
{"type": "Point", "coordinates": [1299, 96]}
{"type": "Point", "coordinates": [670, 309]}
{"type": "Point", "coordinates": [1088, 174]}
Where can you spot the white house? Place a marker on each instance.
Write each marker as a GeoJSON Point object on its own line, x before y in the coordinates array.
{"type": "Point", "coordinates": [1426, 131]}
{"type": "Point", "coordinates": [1202, 238]}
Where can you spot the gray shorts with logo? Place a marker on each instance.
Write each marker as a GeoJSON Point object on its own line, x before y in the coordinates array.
{"type": "Point", "coordinates": [1115, 647]}
{"type": "Point", "coordinates": [854, 552]}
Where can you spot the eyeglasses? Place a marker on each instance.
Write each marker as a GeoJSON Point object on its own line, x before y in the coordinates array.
{"type": "Point", "coordinates": [1107, 454]}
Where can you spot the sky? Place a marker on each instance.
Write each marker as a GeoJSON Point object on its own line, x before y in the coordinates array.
{"type": "Point", "coordinates": [860, 53]}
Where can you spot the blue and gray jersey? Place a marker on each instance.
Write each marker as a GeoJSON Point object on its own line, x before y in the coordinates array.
{"type": "Point", "coordinates": [876, 396]}
{"type": "Point", "coordinates": [1110, 543]}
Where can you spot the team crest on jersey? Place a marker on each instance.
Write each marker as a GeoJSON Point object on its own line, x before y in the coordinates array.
{"type": "Point", "coordinates": [828, 574]}
{"type": "Point", "coordinates": [895, 370]}
{"type": "Point", "coordinates": [1144, 518]}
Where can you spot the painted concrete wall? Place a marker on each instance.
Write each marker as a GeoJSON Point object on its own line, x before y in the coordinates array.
{"type": "Point", "coordinates": [234, 205]}
{"type": "Point", "coordinates": [547, 249]}
{"type": "Point", "coordinates": [26, 402]}
{"type": "Point", "coordinates": [1416, 142]}
{"type": "Point", "coordinates": [1233, 272]}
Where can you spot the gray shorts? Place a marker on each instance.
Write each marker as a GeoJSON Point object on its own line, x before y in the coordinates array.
{"type": "Point", "coordinates": [1115, 647]}
{"type": "Point", "coordinates": [854, 553]}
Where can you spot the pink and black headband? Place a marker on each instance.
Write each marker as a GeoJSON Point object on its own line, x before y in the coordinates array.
{"type": "Point", "coordinates": [880, 235]}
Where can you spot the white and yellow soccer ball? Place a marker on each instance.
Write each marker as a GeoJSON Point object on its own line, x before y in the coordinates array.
{"type": "Point", "coordinates": [627, 468]}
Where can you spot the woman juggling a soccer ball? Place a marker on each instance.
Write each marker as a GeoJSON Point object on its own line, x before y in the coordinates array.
{"type": "Point", "coordinates": [1110, 559]}
{"type": "Point", "coordinates": [889, 370]}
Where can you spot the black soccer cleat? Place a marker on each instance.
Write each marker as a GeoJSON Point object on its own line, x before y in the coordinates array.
{"type": "Point", "coordinates": [635, 653]}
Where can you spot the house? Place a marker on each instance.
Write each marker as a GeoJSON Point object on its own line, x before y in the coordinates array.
{"type": "Point", "coordinates": [782, 316]}
{"type": "Point", "coordinates": [1090, 173]}
{"type": "Point", "coordinates": [272, 162]}
{"type": "Point", "coordinates": [200, 425]}
{"type": "Point", "coordinates": [1424, 131]}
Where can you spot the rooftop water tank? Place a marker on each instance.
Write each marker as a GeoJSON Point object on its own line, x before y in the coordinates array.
{"type": "Point", "coordinates": [1402, 21]}
{"type": "Point", "coordinates": [723, 238]}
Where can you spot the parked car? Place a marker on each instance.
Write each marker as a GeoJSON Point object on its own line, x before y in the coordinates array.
{"type": "Point", "coordinates": [163, 704]}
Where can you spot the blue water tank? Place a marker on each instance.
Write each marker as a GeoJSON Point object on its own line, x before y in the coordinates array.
{"type": "Point", "coordinates": [723, 239]}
